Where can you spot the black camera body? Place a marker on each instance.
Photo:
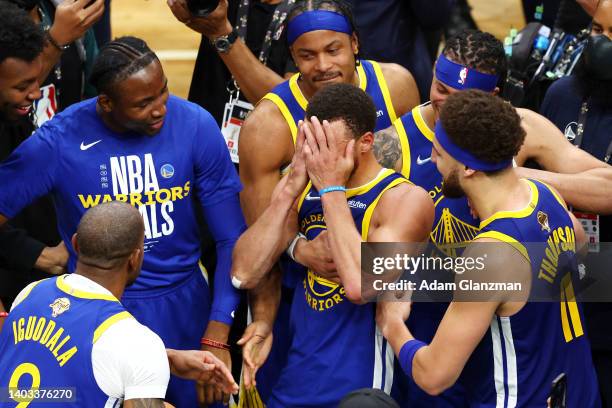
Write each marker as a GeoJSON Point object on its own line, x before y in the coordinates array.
{"type": "Point", "coordinates": [202, 8]}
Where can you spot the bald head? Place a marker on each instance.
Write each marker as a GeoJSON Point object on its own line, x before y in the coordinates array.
{"type": "Point", "coordinates": [108, 234]}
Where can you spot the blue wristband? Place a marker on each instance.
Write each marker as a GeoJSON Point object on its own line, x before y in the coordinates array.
{"type": "Point", "coordinates": [407, 353]}
{"type": "Point", "coordinates": [330, 189]}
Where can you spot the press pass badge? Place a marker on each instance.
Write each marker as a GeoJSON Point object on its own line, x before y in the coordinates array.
{"type": "Point", "coordinates": [590, 223]}
{"type": "Point", "coordinates": [234, 115]}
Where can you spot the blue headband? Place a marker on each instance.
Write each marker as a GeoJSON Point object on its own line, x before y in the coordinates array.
{"type": "Point", "coordinates": [464, 156]}
{"type": "Point", "coordinates": [317, 20]}
{"type": "Point", "coordinates": [461, 77]}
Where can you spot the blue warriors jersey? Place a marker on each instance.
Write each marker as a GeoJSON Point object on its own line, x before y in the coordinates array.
{"type": "Point", "coordinates": [47, 340]}
{"type": "Point", "coordinates": [82, 163]}
{"type": "Point", "coordinates": [453, 228]}
{"type": "Point", "coordinates": [292, 104]}
{"type": "Point", "coordinates": [520, 356]}
{"type": "Point", "coordinates": [336, 348]}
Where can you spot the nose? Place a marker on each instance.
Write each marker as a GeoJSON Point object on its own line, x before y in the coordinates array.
{"type": "Point", "coordinates": [159, 111]}
{"type": "Point", "coordinates": [434, 155]}
{"type": "Point", "coordinates": [34, 92]}
{"type": "Point", "coordinates": [323, 63]}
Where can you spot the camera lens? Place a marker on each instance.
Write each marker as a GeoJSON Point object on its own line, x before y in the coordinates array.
{"type": "Point", "coordinates": [202, 8]}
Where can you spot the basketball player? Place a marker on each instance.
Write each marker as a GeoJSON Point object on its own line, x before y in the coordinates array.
{"type": "Point", "coordinates": [511, 350]}
{"type": "Point", "coordinates": [71, 333]}
{"type": "Point", "coordinates": [137, 144]}
{"type": "Point", "coordinates": [474, 59]}
{"type": "Point", "coordinates": [334, 348]}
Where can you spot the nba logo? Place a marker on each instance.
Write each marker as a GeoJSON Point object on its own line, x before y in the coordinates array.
{"type": "Point", "coordinates": [167, 171]}
{"type": "Point", "coordinates": [463, 75]}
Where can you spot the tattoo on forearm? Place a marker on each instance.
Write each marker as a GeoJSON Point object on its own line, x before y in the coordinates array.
{"type": "Point", "coordinates": [387, 148]}
{"type": "Point", "coordinates": [144, 403]}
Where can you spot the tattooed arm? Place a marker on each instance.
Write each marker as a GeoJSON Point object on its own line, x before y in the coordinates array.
{"type": "Point", "coordinates": [387, 148]}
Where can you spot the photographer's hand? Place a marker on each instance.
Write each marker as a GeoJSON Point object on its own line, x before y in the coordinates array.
{"type": "Point", "coordinates": [214, 25]}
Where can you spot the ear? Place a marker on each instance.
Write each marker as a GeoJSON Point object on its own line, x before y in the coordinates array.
{"type": "Point", "coordinates": [366, 142]}
{"type": "Point", "coordinates": [134, 260]}
{"type": "Point", "coordinates": [105, 103]}
{"type": "Point", "coordinates": [74, 243]}
{"type": "Point", "coordinates": [355, 43]}
{"type": "Point", "coordinates": [467, 172]}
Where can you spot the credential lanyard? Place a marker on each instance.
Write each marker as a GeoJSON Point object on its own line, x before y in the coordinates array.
{"type": "Point", "coordinates": [582, 116]}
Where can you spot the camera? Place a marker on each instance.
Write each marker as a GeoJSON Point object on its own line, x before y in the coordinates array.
{"type": "Point", "coordinates": [202, 8]}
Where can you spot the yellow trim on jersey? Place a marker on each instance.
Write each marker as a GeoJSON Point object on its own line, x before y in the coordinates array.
{"type": "Point", "coordinates": [363, 78]}
{"type": "Point", "coordinates": [500, 236]}
{"type": "Point", "coordinates": [351, 192]}
{"type": "Point", "coordinates": [367, 218]}
{"type": "Point", "coordinates": [405, 146]}
{"type": "Point", "coordinates": [297, 92]}
{"type": "Point", "coordinates": [385, 90]}
{"type": "Point", "coordinates": [109, 322]}
{"type": "Point", "coordinates": [421, 124]}
{"type": "Point", "coordinates": [554, 193]}
{"type": "Point", "coordinates": [525, 212]}
{"type": "Point", "coordinates": [28, 290]}
{"type": "Point", "coordinates": [64, 287]}
{"type": "Point", "coordinates": [280, 104]}
{"type": "Point", "coordinates": [303, 195]}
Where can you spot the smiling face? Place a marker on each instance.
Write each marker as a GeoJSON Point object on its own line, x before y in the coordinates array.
{"type": "Point", "coordinates": [324, 57]}
{"type": "Point", "coordinates": [138, 103]}
{"type": "Point", "coordinates": [19, 86]}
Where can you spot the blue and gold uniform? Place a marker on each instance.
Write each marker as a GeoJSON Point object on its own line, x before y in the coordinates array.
{"type": "Point", "coordinates": [453, 228]}
{"type": "Point", "coordinates": [516, 362]}
{"type": "Point", "coordinates": [336, 347]}
{"type": "Point", "coordinates": [292, 104]}
{"type": "Point", "coordinates": [48, 339]}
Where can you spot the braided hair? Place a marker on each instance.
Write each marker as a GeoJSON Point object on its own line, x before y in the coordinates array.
{"type": "Point", "coordinates": [118, 60]}
{"type": "Point", "coordinates": [480, 51]}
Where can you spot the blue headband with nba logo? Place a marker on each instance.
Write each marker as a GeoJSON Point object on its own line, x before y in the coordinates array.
{"type": "Point", "coordinates": [464, 156]}
{"type": "Point", "coordinates": [314, 20]}
{"type": "Point", "coordinates": [461, 77]}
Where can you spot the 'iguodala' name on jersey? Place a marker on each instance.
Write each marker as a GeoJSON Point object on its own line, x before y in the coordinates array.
{"type": "Point", "coordinates": [133, 179]}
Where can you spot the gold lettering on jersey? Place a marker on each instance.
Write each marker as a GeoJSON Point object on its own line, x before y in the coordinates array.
{"type": "Point", "coordinates": [560, 240]}
{"type": "Point", "coordinates": [43, 331]}
{"type": "Point", "coordinates": [311, 219]}
{"type": "Point", "coordinates": [322, 294]}
{"type": "Point", "coordinates": [137, 199]}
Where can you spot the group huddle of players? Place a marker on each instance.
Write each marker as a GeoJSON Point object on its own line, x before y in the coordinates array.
{"type": "Point", "coordinates": [339, 154]}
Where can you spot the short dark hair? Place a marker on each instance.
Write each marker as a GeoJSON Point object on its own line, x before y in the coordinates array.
{"type": "Point", "coordinates": [118, 60]}
{"type": "Point", "coordinates": [339, 6]}
{"type": "Point", "coordinates": [484, 125]}
{"type": "Point", "coordinates": [345, 102]}
{"type": "Point", "coordinates": [108, 234]}
{"type": "Point", "coordinates": [480, 51]}
{"type": "Point", "coordinates": [20, 37]}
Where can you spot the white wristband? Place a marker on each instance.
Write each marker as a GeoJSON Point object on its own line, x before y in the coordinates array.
{"type": "Point", "coordinates": [291, 247]}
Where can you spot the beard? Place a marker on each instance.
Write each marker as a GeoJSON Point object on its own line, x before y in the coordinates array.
{"type": "Point", "coordinates": [451, 187]}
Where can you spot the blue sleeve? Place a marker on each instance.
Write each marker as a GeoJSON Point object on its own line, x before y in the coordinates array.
{"type": "Point", "coordinates": [215, 174]}
{"type": "Point", "coordinates": [226, 223]}
{"type": "Point", "coordinates": [29, 172]}
{"type": "Point", "coordinates": [217, 188]}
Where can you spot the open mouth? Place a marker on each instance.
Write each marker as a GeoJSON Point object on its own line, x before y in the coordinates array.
{"type": "Point", "coordinates": [23, 110]}
{"type": "Point", "coordinates": [327, 78]}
